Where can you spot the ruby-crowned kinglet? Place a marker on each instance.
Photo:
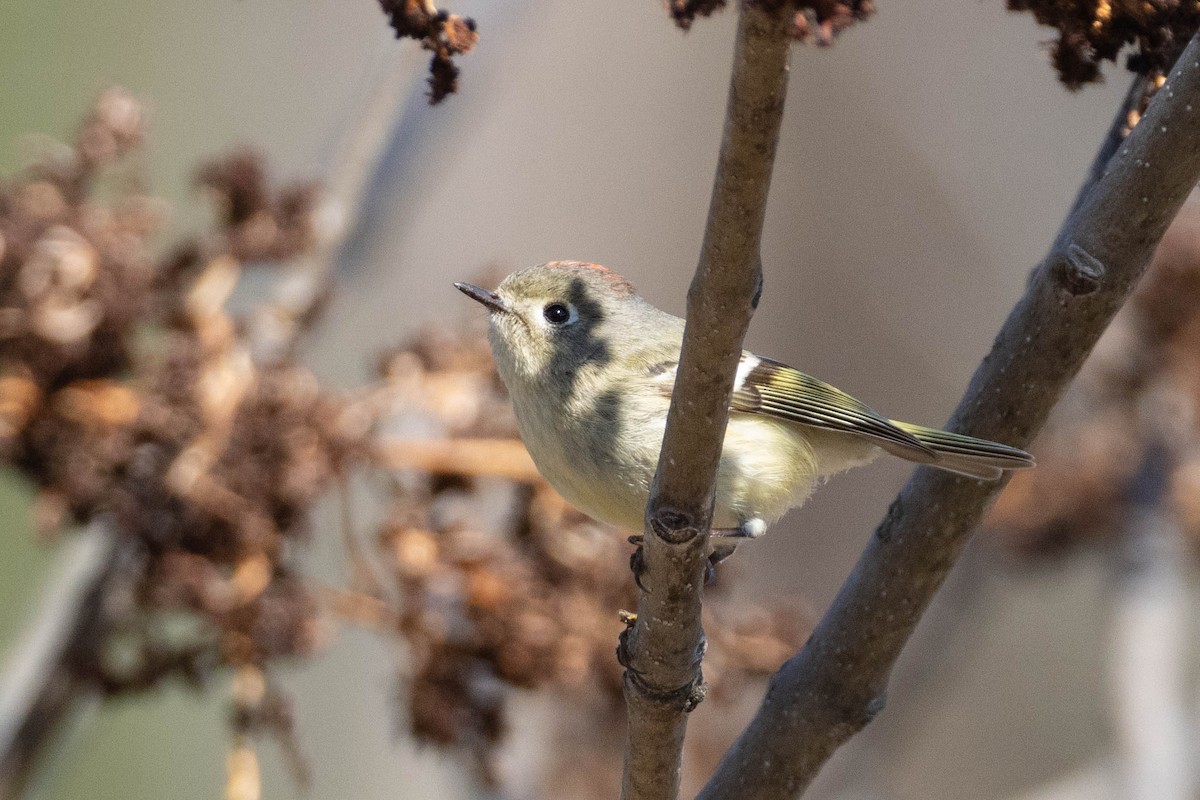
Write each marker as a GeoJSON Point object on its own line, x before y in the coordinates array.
{"type": "Point", "coordinates": [591, 367]}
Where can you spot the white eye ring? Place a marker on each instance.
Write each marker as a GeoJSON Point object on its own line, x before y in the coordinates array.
{"type": "Point", "coordinates": [559, 314]}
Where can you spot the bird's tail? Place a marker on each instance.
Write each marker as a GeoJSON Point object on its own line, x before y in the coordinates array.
{"type": "Point", "coordinates": [966, 455]}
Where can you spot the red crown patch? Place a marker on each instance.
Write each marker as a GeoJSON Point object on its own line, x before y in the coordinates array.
{"type": "Point", "coordinates": [619, 284]}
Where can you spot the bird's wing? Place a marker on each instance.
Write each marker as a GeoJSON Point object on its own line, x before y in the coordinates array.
{"type": "Point", "coordinates": [767, 387]}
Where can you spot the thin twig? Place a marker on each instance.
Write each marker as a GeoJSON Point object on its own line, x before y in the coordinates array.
{"type": "Point", "coordinates": [365, 610]}
{"type": "Point", "coordinates": [363, 577]}
{"type": "Point", "coordinates": [835, 685]}
{"type": "Point", "coordinates": [278, 326]}
{"type": "Point", "coordinates": [662, 651]}
{"type": "Point", "coordinates": [39, 689]}
{"type": "Point", "coordinates": [502, 458]}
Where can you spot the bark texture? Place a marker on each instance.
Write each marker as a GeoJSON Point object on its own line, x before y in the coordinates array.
{"type": "Point", "coordinates": [836, 684]}
{"type": "Point", "coordinates": [662, 651]}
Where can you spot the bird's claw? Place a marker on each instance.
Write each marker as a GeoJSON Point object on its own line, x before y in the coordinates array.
{"type": "Point", "coordinates": [624, 657]}
{"type": "Point", "coordinates": [637, 563]}
{"type": "Point", "coordinates": [720, 551]}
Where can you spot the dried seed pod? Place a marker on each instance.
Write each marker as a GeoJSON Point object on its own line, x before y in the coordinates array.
{"type": "Point", "coordinates": [1091, 32]}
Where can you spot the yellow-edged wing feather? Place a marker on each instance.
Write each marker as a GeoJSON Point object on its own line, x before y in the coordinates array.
{"type": "Point", "coordinates": [769, 387]}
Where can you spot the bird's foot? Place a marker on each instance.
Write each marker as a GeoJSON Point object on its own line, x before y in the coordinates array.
{"type": "Point", "coordinates": [624, 657]}
{"type": "Point", "coordinates": [748, 529]}
{"type": "Point", "coordinates": [637, 561]}
{"type": "Point", "coordinates": [718, 553]}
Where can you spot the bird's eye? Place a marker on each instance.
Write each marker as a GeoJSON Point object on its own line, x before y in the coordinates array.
{"type": "Point", "coordinates": [556, 313]}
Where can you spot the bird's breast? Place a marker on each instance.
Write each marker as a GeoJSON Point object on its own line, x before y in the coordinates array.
{"type": "Point", "coordinates": [590, 455]}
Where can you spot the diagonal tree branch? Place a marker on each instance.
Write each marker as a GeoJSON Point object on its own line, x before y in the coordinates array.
{"type": "Point", "coordinates": [662, 651]}
{"type": "Point", "coordinates": [38, 689]}
{"type": "Point", "coordinates": [1113, 139]}
{"type": "Point", "coordinates": [834, 686]}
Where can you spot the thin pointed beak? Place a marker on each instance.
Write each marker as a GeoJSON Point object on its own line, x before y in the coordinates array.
{"type": "Point", "coordinates": [489, 299]}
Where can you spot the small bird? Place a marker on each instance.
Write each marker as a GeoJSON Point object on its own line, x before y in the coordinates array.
{"type": "Point", "coordinates": [591, 366]}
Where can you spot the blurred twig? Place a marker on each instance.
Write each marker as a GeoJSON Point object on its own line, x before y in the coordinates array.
{"type": "Point", "coordinates": [1154, 757]}
{"type": "Point", "coordinates": [503, 458]}
{"type": "Point", "coordinates": [836, 684]}
{"type": "Point", "coordinates": [662, 651]}
{"type": "Point", "coordinates": [1148, 671]}
{"type": "Point", "coordinates": [279, 324]}
{"type": "Point", "coordinates": [38, 688]}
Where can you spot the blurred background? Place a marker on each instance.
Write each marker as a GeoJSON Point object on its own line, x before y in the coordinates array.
{"type": "Point", "coordinates": [926, 162]}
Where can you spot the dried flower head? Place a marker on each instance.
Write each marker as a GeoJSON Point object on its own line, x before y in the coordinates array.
{"type": "Point", "coordinates": [1093, 31]}
{"type": "Point", "coordinates": [444, 34]}
{"type": "Point", "coordinates": [817, 21]}
{"type": "Point", "coordinates": [128, 395]}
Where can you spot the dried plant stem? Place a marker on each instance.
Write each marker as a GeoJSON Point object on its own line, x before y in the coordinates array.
{"type": "Point", "coordinates": [662, 651]}
{"type": "Point", "coordinates": [39, 688]}
{"type": "Point", "coordinates": [502, 458]}
{"type": "Point", "coordinates": [359, 608]}
{"type": "Point", "coordinates": [836, 684]}
{"type": "Point", "coordinates": [279, 326]}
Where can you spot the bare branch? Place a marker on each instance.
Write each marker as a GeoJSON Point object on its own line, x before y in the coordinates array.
{"type": "Point", "coordinates": [1113, 139]}
{"type": "Point", "coordinates": [503, 458]}
{"type": "Point", "coordinates": [38, 689]}
{"type": "Point", "coordinates": [662, 651]}
{"type": "Point", "coordinates": [836, 684]}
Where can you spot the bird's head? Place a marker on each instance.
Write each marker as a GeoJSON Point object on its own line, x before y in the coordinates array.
{"type": "Point", "coordinates": [551, 321]}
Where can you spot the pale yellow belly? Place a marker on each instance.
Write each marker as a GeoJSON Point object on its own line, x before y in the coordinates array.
{"type": "Point", "coordinates": [767, 467]}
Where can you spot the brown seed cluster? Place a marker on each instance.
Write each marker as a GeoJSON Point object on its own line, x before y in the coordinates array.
{"type": "Point", "coordinates": [504, 585]}
{"type": "Point", "coordinates": [817, 21]}
{"type": "Point", "coordinates": [128, 393]}
{"type": "Point", "coordinates": [444, 34]}
{"type": "Point", "coordinates": [1093, 31]}
{"type": "Point", "coordinates": [1134, 407]}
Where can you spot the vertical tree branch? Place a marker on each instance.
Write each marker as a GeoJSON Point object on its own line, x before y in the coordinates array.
{"type": "Point", "coordinates": [835, 685]}
{"type": "Point", "coordinates": [662, 651]}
